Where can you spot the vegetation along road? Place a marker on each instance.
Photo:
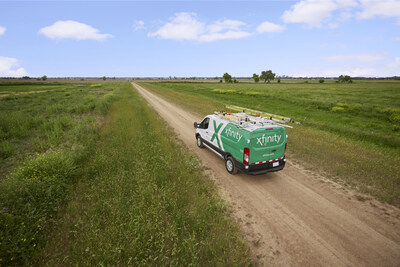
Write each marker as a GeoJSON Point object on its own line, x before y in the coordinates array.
{"type": "Point", "coordinates": [296, 217]}
{"type": "Point", "coordinates": [100, 186]}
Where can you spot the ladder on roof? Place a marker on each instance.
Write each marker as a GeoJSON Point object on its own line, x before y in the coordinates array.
{"type": "Point", "coordinates": [238, 119]}
{"type": "Point", "coordinates": [272, 117]}
{"type": "Point", "coordinates": [244, 119]}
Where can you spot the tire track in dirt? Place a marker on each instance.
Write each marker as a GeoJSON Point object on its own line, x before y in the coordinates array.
{"type": "Point", "coordinates": [295, 217]}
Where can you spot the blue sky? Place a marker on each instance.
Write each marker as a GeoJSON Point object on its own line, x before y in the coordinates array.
{"type": "Point", "coordinates": [199, 38]}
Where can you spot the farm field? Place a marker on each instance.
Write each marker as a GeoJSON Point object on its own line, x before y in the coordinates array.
{"type": "Point", "coordinates": [350, 132]}
{"type": "Point", "coordinates": [88, 179]}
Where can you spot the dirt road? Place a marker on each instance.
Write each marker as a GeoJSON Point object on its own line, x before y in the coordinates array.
{"type": "Point", "coordinates": [295, 217]}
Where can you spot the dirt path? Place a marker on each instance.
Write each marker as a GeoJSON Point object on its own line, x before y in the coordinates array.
{"type": "Point", "coordinates": [294, 217]}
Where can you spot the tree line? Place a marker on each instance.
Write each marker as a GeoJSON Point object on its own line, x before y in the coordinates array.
{"type": "Point", "coordinates": [268, 76]}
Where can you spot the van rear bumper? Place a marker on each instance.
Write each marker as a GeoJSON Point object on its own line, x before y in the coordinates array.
{"type": "Point", "coordinates": [253, 169]}
{"type": "Point", "coordinates": [260, 168]}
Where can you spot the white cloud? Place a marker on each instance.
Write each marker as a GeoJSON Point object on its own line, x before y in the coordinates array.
{"type": "Point", "coordinates": [187, 26]}
{"type": "Point", "coordinates": [184, 26]}
{"type": "Point", "coordinates": [8, 67]}
{"type": "Point", "coordinates": [355, 57]}
{"type": "Point", "coordinates": [139, 25]}
{"type": "Point", "coordinates": [316, 13]}
{"type": "Point", "coordinates": [223, 36]}
{"type": "Point", "coordinates": [383, 8]}
{"type": "Point", "coordinates": [69, 29]}
{"type": "Point", "coordinates": [269, 27]}
{"type": "Point", "coordinates": [227, 24]}
{"type": "Point", "coordinates": [2, 30]}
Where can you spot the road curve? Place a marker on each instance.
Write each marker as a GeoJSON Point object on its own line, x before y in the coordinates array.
{"type": "Point", "coordinates": [295, 217]}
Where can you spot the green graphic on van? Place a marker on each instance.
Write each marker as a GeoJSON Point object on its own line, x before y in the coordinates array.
{"type": "Point", "coordinates": [232, 133]}
{"type": "Point", "coordinates": [264, 140]}
{"type": "Point", "coordinates": [216, 133]}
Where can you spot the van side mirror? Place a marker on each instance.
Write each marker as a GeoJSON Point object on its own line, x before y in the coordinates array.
{"type": "Point", "coordinates": [196, 125]}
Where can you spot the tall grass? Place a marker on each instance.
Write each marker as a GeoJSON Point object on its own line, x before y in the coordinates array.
{"type": "Point", "coordinates": [35, 122]}
{"type": "Point", "coordinates": [43, 148]}
{"type": "Point", "coordinates": [144, 201]}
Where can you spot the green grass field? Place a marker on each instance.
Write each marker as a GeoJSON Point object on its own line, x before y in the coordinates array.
{"type": "Point", "coordinates": [37, 117]}
{"type": "Point", "coordinates": [351, 132]}
{"type": "Point", "coordinates": [46, 135]}
{"type": "Point", "coordinates": [88, 182]}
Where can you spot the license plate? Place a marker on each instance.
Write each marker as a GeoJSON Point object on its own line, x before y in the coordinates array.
{"type": "Point", "coordinates": [274, 164]}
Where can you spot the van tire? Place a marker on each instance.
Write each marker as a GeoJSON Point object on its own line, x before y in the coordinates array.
{"type": "Point", "coordinates": [230, 165]}
{"type": "Point", "coordinates": [199, 141]}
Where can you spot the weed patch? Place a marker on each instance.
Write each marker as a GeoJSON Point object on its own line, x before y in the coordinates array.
{"type": "Point", "coordinates": [6, 149]}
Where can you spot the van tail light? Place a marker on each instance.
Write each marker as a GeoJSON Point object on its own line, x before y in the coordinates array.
{"type": "Point", "coordinates": [246, 156]}
{"type": "Point", "coordinates": [285, 150]}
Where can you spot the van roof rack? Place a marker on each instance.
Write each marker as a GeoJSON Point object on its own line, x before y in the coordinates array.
{"type": "Point", "coordinates": [247, 117]}
{"type": "Point", "coordinates": [252, 112]}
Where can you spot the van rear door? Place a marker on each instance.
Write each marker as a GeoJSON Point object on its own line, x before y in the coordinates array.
{"type": "Point", "coordinates": [267, 144]}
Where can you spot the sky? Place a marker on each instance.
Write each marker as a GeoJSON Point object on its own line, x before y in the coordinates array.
{"type": "Point", "coordinates": [307, 38]}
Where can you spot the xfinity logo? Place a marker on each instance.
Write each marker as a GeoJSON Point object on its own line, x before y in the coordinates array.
{"type": "Point", "coordinates": [234, 134]}
{"type": "Point", "coordinates": [263, 140]}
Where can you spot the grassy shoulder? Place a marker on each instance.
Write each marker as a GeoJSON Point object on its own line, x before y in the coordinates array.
{"type": "Point", "coordinates": [48, 139]}
{"type": "Point", "coordinates": [144, 201]}
{"type": "Point", "coordinates": [337, 144]}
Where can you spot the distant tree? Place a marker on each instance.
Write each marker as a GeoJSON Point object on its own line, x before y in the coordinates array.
{"type": "Point", "coordinates": [279, 80]}
{"type": "Point", "coordinates": [227, 78]}
{"type": "Point", "coordinates": [267, 76]}
{"type": "Point", "coordinates": [256, 78]}
{"type": "Point", "coordinates": [345, 79]}
{"type": "Point", "coordinates": [26, 77]}
{"type": "Point", "coordinates": [104, 78]}
{"type": "Point", "coordinates": [321, 80]}
{"type": "Point", "coordinates": [220, 81]}
{"type": "Point", "coordinates": [235, 81]}
{"type": "Point", "coordinates": [44, 77]}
